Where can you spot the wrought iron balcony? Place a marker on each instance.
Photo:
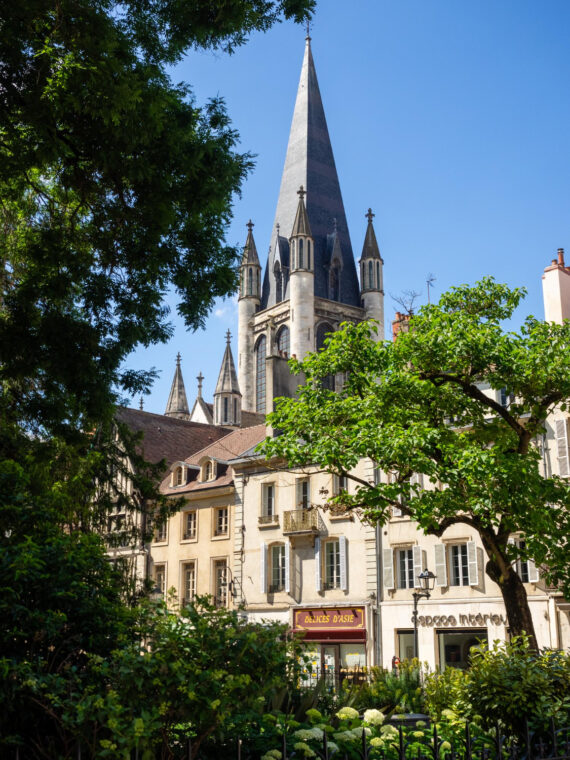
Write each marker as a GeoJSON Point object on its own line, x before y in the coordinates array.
{"type": "Point", "coordinates": [301, 521]}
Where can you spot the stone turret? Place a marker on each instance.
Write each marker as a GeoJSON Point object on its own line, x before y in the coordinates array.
{"type": "Point", "coordinates": [177, 405]}
{"type": "Point", "coordinates": [227, 396]}
{"type": "Point", "coordinates": [302, 282]}
{"type": "Point", "coordinates": [371, 278]}
{"type": "Point", "coordinates": [248, 304]}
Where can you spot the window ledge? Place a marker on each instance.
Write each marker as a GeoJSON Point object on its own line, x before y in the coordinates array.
{"type": "Point", "coordinates": [266, 522]}
{"type": "Point", "coordinates": [220, 537]}
{"type": "Point", "coordinates": [336, 518]}
{"type": "Point", "coordinates": [192, 540]}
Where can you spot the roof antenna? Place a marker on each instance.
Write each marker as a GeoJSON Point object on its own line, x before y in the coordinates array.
{"type": "Point", "coordinates": [430, 281]}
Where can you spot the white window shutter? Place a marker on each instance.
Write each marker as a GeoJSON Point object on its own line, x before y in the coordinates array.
{"type": "Point", "coordinates": [562, 447]}
{"type": "Point", "coordinates": [343, 568]}
{"type": "Point", "coordinates": [388, 568]}
{"type": "Point", "coordinates": [417, 557]}
{"type": "Point", "coordinates": [318, 578]}
{"type": "Point", "coordinates": [440, 565]}
{"type": "Point", "coordinates": [263, 564]}
{"type": "Point", "coordinates": [288, 567]}
{"type": "Point", "coordinates": [533, 574]}
{"type": "Point", "coordinates": [472, 563]}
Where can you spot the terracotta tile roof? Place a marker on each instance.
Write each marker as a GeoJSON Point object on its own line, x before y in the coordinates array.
{"type": "Point", "coordinates": [168, 437]}
{"type": "Point", "coordinates": [229, 447]}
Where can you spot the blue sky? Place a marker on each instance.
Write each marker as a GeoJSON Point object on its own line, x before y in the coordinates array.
{"type": "Point", "coordinates": [450, 118]}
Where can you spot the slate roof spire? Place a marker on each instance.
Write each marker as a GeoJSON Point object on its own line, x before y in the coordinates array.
{"type": "Point", "coordinates": [370, 249]}
{"type": "Point", "coordinates": [310, 162]}
{"type": "Point", "coordinates": [177, 405]}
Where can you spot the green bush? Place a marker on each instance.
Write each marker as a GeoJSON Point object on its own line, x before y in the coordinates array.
{"type": "Point", "coordinates": [512, 682]}
{"type": "Point", "coordinates": [445, 691]}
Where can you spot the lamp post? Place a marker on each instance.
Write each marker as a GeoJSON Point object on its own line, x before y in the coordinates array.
{"type": "Point", "coordinates": [427, 582]}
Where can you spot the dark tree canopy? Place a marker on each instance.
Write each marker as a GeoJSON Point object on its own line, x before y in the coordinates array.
{"type": "Point", "coordinates": [426, 403]}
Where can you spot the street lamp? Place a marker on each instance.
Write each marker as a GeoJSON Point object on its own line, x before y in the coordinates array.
{"type": "Point", "coordinates": [427, 582]}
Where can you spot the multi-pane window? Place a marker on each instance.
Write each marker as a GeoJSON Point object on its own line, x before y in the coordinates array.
{"type": "Point", "coordinates": [277, 565]}
{"type": "Point", "coordinates": [178, 478]}
{"type": "Point", "coordinates": [459, 565]}
{"type": "Point", "coordinates": [340, 483]}
{"type": "Point", "coordinates": [507, 398]}
{"type": "Point", "coordinates": [160, 579]}
{"type": "Point", "coordinates": [303, 493]}
{"type": "Point", "coordinates": [405, 559]}
{"type": "Point", "coordinates": [220, 582]}
{"type": "Point", "coordinates": [209, 470]}
{"type": "Point", "coordinates": [260, 352]}
{"type": "Point", "coordinates": [190, 523]}
{"type": "Point", "coordinates": [526, 568]}
{"type": "Point", "coordinates": [283, 341]}
{"type": "Point", "coordinates": [188, 582]}
{"type": "Point", "coordinates": [267, 503]}
{"type": "Point", "coordinates": [332, 564]}
{"type": "Point", "coordinates": [221, 521]}
{"type": "Point", "coordinates": [160, 532]}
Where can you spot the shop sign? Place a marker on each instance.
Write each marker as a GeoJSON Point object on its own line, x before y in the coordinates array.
{"type": "Point", "coordinates": [476, 621]}
{"type": "Point", "coordinates": [322, 619]}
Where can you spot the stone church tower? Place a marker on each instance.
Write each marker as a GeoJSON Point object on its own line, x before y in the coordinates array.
{"type": "Point", "coordinates": [310, 284]}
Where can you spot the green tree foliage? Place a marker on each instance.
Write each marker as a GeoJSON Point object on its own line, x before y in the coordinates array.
{"type": "Point", "coordinates": [426, 404]}
{"type": "Point", "coordinates": [114, 187]}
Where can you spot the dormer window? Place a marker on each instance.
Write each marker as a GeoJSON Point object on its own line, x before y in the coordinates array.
{"type": "Point", "coordinates": [208, 470]}
{"type": "Point", "coordinates": [178, 476]}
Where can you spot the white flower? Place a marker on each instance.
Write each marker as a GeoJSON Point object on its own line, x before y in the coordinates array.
{"type": "Point", "coordinates": [304, 734]}
{"type": "Point", "coordinates": [374, 717]}
{"type": "Point", "coordinates": [304, 748]}
{"type": "Point", "coordinates": [376, 742]}
{"type": "Point", "coordinates": [358, 731]}
{"type": "Point", "coordinates": [347, 713]}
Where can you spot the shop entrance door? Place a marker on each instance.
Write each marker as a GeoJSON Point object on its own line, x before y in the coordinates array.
{"type": "Point", "coordinates": [330, 663]}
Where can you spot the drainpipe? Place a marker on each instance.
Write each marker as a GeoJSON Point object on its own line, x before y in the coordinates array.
{"type": "Point", "coordinates": [379, 596]}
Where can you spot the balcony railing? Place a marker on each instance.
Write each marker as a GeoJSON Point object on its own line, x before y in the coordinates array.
{"type": "Point", "coordinates": [301, 521]}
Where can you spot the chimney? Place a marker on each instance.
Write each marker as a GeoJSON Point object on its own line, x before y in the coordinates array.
{"type": "Point", "coordinates": [560, 257]}
{"type": "Point", "coordinates": [401, 323]}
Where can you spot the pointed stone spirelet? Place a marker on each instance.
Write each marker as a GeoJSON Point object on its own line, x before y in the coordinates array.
{"type": "Point", "coordinates": [227, 379]}
{"type": "Point", "coordinates": [177, 405]}
{"type": "Point", "coordinates": [370, 249]}
{"type": "Point", "coordinates": [250, 251]}
{"type": "Point", "coordinates": [301, 224]}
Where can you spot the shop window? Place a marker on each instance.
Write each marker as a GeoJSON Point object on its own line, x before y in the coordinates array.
{"type": "Point", "coordinates": [455, 648]}
{"type": "Point", "coordinates": [303, 493]}
{"type": "Point", "coordinates": [190, 522]}
{"type": "Point", "coordinates": [221, 521]}
{"type": "Point", "coordinates": [188, 582]}
{"type": "Point", "coordinates": [405, 645]}
{"type": "Point", "coordinates": [160, 579]}
{"type": "Point", "coordinates": [220, 582]}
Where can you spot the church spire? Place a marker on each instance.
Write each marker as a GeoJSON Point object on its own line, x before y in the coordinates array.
{"type": "Point", "coordinates": [310, 162]}
{"type": "Point", "coordinates": [227, 396]}
{"type": "Point", "coordinates": [177, 404]}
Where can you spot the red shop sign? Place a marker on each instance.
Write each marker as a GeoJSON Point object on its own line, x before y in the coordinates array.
{"type": "Point", "coordinates": [324, 618]}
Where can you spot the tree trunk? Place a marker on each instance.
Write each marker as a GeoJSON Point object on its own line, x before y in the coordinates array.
{"type": "Point", "coordinates": [513, 592]}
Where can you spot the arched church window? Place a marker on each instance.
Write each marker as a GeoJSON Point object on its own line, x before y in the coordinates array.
{"type": "Point", "coordinates": [323, 330]}
{"type": "Point", "coordinates": [225, 408]}
{"type": "Point", "coordinates": [278, 283]}
{"type": "Point", "coordinates": [300, 254]}
{"type": "Point", "coordinates": [370, 275]}
{"type": "Point", "coordinates": [283, 341]}
{"type": "Point", "coordinates": [308, 254]}
{"type": "Point", "coordinates": [378, 275]}
{"type": "Point", "coordinates": [292, 254]}
{"type": "Point", "coordinates": [260, 352]}
{"type": "Point", "coordinates": [250, 281]}
{"type": "Point", "coordinates": [334, 281]}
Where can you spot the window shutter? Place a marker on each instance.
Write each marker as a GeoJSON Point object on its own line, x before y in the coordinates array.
{"type": "Point", "coordinates": [288, 567]}
{"type": "Point", "coordinates": [533, 574]}
{"type": "Point", "coordinates": [263, 567]}
{"type": "Point", "coordinates": [335, 485]}
{"type": "Point", "coordinates": [440, 565]}
{"type": "Point", "coordinates": [343, 568]}
{"type": "Point", "coordinates": [472, 563]}
{"type": "Point", "coordinates": [318, 579]}
{"type": "Point", "coordinates": [417, 561]}
{"type": "Point", "coordinates": [562, 447]}
{"type": "Point", "coordinates": [388, 568]}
